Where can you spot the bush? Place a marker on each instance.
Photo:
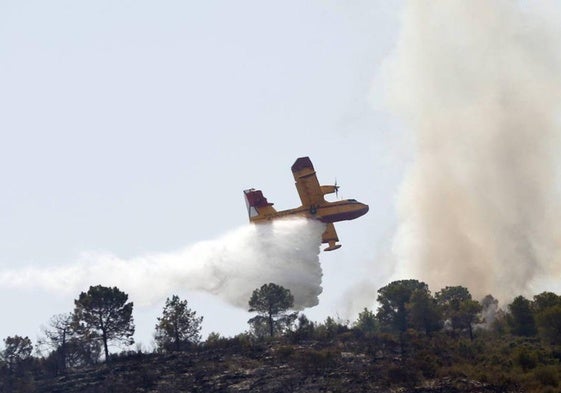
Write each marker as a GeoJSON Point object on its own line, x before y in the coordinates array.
{"type": "Point", "coordinates": [426, 363]}
{"type": "Point", "coordinates": [547, 376]}
{"type": "Point", "coordinates": [284, 352]}
{"type": "Point", "coordinates": [402, 375]}
{"type": "Point", "coordinates": [526, 359]}
{"type": "Point", "coordinates": [215, 340]}
{"type": "Point", "coordinates": [330, 329]}
{"type": "Point", "coordinates": [316, 361]}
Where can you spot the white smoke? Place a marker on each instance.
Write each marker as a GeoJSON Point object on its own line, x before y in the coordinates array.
{"type": "Point", "coordinates": [479, 83]}
{"type": "Point", "coordinates": [285, 252]}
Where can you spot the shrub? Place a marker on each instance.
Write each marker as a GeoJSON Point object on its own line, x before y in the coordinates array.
{"type": "Point", "coordinates": [403, 375]}
{"type": "Point", "coordinates": [284, 352]}
{"type": "Point", "coordinates": [547, 376]}
{"type": "Point", "coordinates": [215, 340]}
{"type": "Point", "coordinates": [526, 359]}
{"type": "Point", "coordinates": [426, 363]}
{"type": "Point", "coordinates": [316, 361]}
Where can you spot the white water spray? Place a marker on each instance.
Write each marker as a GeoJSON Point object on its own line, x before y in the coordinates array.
{"type": "Point", "coordinates": [285, 252]}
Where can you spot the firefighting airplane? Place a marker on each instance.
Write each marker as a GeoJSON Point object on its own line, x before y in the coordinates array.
{"type": "Point", "coordinates": [313, 203]}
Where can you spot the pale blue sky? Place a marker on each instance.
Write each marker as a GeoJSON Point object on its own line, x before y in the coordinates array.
{"type": "Point", "coordinates": [132, 127]}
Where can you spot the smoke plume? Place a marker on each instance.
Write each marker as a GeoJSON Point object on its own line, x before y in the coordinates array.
{"type": "Point", "coordinates": [479, 83]}
{"type": "Point", "coordinates": [285, 252]}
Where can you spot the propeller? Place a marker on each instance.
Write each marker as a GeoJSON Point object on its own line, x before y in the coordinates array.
{"type": "Point", "coordinates": [336, 189]}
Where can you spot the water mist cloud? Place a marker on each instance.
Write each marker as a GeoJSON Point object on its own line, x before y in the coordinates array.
{"type": "Point", "coordinates": [285, 252]}
{"type": "Point", "coordinates": [479, 84]}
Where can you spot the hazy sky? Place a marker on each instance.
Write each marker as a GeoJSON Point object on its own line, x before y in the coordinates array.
{"type": "Point", "coordinates": [132, 127]}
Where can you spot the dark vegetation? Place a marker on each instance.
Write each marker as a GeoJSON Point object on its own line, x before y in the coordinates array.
{"type": "Point", "coordinates": [414, 342]}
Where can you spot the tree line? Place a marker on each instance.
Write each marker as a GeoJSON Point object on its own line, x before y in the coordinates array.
{"type": "Point", "coordinates": [409, 305]}
{"type": "Point", "coordinates": [102, 318]}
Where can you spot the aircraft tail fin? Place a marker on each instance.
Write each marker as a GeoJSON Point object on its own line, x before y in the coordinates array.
{"type": "Point", "coordinates": [257, 206]}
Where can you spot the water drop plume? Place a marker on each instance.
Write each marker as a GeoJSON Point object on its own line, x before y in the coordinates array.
{"type": "Point", "coordinates": [479, 83]}
{"type": "Point", "coordinates": [285, 252]}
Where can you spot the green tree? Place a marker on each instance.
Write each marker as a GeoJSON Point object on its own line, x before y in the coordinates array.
{"type": "Point", "coordinates": [548, 323]}
{"type": "Point", "coordinates": [303, 329]}
{"type": "Point", "coordinates": [393, 299]}
{"type": "Point", "coordinates": [178, 326]}
{"type": "Point", "coordinates": [104, 313]}
{"type": "Point", "coordinates": [366, 322]}
{"type": "Point", "coordinates": [450, 300]}
{"type": "Point", "coordinates": [469, 315]}
{"type": "Point", "coordinates": [546, 308]}
{"type": "Point", "coordinates": [545, 300]}
{"type": "Point", "coordinates": [271, 302]}
{"type": "Point", "coordinates": [520, 318]}
{"type": "Point", "coordinates": [16, 350]}
{"type": "Point", "coordinates": [459, 308]}
{"type": "Point", "coordinates": [423, 312]}
{"type": "Point", "coordinates": [331, 327]}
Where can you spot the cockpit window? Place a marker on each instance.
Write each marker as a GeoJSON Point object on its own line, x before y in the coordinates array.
{"type": "Point", "coordinates": [351, 200]}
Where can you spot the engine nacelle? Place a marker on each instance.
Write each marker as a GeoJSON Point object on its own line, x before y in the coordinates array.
{"type": "Point", "coordinates": [329, 189]}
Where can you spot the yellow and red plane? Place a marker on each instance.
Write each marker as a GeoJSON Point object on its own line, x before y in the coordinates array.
{"type": "Point", "coordinates": [313, 206]}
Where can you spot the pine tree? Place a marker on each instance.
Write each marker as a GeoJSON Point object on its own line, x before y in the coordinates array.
{"type": "Point", "coordinates": [271, 302]}
{"type": "Point", "coordinates": [104, 313]}
{"type": "Point", "coordinates": [178, 326]}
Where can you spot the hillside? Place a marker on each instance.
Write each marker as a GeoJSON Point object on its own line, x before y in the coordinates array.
{"type": "Point", "coordinates": [346, 362]}
{"type": "Point", "coordinates": [416, 342]}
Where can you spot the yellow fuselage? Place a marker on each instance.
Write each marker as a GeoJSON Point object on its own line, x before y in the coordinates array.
{"type": "Point", "coordinates": [327, 212]}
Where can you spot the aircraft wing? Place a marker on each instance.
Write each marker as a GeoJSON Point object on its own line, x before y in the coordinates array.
{"type": "Point", "coordinates": [307, 182]}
